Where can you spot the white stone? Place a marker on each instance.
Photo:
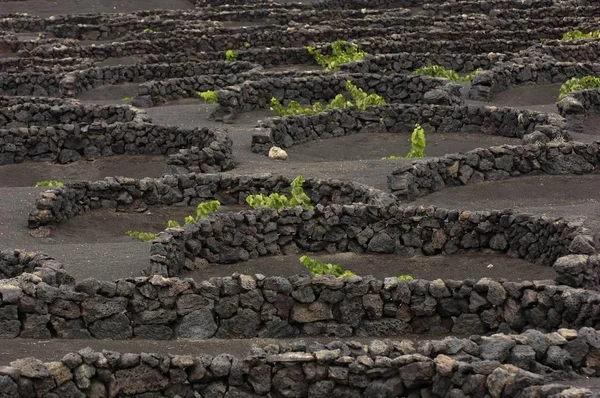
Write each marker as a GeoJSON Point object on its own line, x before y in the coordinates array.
{"type": "Point", "coordinates": [277, 153]}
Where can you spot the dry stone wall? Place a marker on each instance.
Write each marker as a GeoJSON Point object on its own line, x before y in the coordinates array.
{"type": "Point", "coordinates": [257, 94]}
{"type": "Point", "coordinates": [409, 62]}
{"type": "Point", "coordinates": [80, 81]}
{"type": "Point", "coordinates": [67, 143]}
{"type": "Point", "coordinates": [401, 118]}
{"type": "Point", "coordinates": [537, 71]}
{"type": "Point", "coordinates": [575, 106]}
{"type": "Point", "coordinates": [422, 177]}
{"type": "Point", "coordinates": [407, 231]}
{"type": "Point", "coordinates": [452, 367]}
{"type": "Point", "coordinates": [41, 306]}
{"type": "Point", "coordinates": [29, 114]}
{"type": "Point", "coordinates": [58, 204]}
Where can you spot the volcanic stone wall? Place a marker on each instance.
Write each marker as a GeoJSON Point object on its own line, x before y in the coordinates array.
{"type": "Point", "coordinates": [29, 84]}
{"type": "Point", "coordinates": [540, 71]}
{"type": "Point", "coordinates": [264, 56]}
{"type": "Point", "coordinates": [65, 202]}
{"type": "Point", "coordinates": [567, 51]}
{"type": "Point", "coordinates": [359, 228]}
{"type": "Point", "coordinates": [422, 177]}
{"type": "Point", "coordinates": [17, 262]}
{"type": "Point", "coordinates": [154, 93]}
{"type": "Point", "coordinates": [453, 367]}
{"type": "Point", "coordinates": [478, 7]}
{"type": "Point", "coordinates": [87, 79]}
{"type": "Point", "coordinates": [319, 5]}
{"type": "Point", "coordinates": [47, 114]}
{"type": "Point", "coordinates": [70, 142]}
{"type": "Point", "coordinates": [310, 89]}
{"type": "Point", "coordinates": [408, 62]}
{"type": "Point", "coordinates": [577, 105]}
{"type": "Point", "coordinates": [401, 118]}
{"type": "Point", "coordinates": [20, 64]}
{"type": "Point", "coordinates": [242, 306]}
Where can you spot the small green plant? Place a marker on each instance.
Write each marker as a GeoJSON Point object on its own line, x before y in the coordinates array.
{"type": "Point", "coordinates": [577, 84]}
{"type": "Point", "coordinates": [230, 56]}
{"type": "Point", "coordinates": [49, 183]}
{"type": "Point", "coordinates": [418, 142]}
{"type": "Point", "coordinates": [143, 236]}
{"type": "Point", "coordinates": [127, 99]}
{"type": "Point", "coordinates": [148, 30]}
{"type": "Point", "coordinates": [202, 210]}
{"type": "Point", "coordinates": [579, 35]}
{"type": "Point", "coordinates": [405, 278]}
{"type": "Point", "coordinates": [341, 53]}
{"type": "Point", "coordinates": [441, 72]}
{"type": "Point", "coordinates": [277, 201]}
{"type": "Point", "coordinates": [209, 96]}
{"type": "Point", "coordinates": [360, 100]}
{"type": "Point", "coordinates": [318, 267]}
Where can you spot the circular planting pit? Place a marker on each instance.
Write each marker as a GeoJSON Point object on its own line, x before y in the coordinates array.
{"type": "Point", "coordinates": [464, 264]}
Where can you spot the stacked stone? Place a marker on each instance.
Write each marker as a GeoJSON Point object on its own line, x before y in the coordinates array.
{"type": "Point", "coordinates": [309, 89]}
{"type": "Point", "coordinates": [18, 65]}
{"type": "Point", "coordinates": [575, 106]}
{"type": "Point", "coordinates": [407, 231]}
{"type": "Point", "coordinates": [83, 80]}
{"type": "Point", "coordinates": [568, 51]}
{"type": "Point", "coordinates": [401, 119]}
{"type": "Point", "coordinates": [58, 204]}
{"type": "Point", "coordinates": [485, 7]}
{"type": "Point", "coordinates": [46, 304]}
{"type": "Point", "coordinates": [408, 62]}
{"type": "Point", "coordinates": [264, 56]}
{"type": "Point", "coordinates": [16, 262]}
{"type": "Point", "coordinates": [67, 143]}
{"type": "Point", "coordinates": [448, 368]}
{"type": "Point", "coordinates": [530, 71]}
{"type": "Point", "coordinates": [422, 177]}
{"type": "Point", "coordinates": [29, 84]}
{"type": "Point", "coordinates": [557, 11]}
{"type": "Point", "coordinates": [30, 114]}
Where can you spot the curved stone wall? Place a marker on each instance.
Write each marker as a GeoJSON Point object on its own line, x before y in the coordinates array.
{"type": "Point", "coordinates": [532, 71]}
{"type": "Point", "coordinates": [408, 62]}
{"type": "Point", "coordinates": [41, 305]}
{"type": "Point", "coordinates": [157, 92]}
{"type": "Point", "coordinates": [362, 228]}
{"type": "Point", "coordinates": [69, 142]}
{"type": "Point", "coordinates": [577, 105]}
{"type": "Point", "coordinates": [422, 177]}
{"type": "Point", "coordinates": [257, 94]}
{"type": "Point", "coordinates": [401, 118]}
{"type": "Point", "coordinates": [568, 51]}
{"type": "Point", "coordinates": [452, 367]}
{"type": "Point", "coordinates": [29, 114]}
{"type": "Point", "coordinates": [61, 203]}
{"type": "Point", "coordinates": [16, 262]}
{"type": "Point", "coordinates": [83, 80]}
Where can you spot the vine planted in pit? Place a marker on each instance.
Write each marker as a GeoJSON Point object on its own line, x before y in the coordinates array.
{"type": "Point", "coordinates": [277, 201]}
{"type": "Point", "coordinates": [341, 53]}
{"type": "Point", "coordinates": [359, 100]}
{"type": "Point", "coordinates": [577, 84]}
{"type": "Point", "coordinates": [418, 142]}
{"type": "Point", "coordinates": [203, 210]}
{"type": "Point", "coordinates": [318, 267]}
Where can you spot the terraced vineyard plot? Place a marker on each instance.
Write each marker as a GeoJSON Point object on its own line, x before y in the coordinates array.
{"type": "Point", "coordinates": [408, 210]}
